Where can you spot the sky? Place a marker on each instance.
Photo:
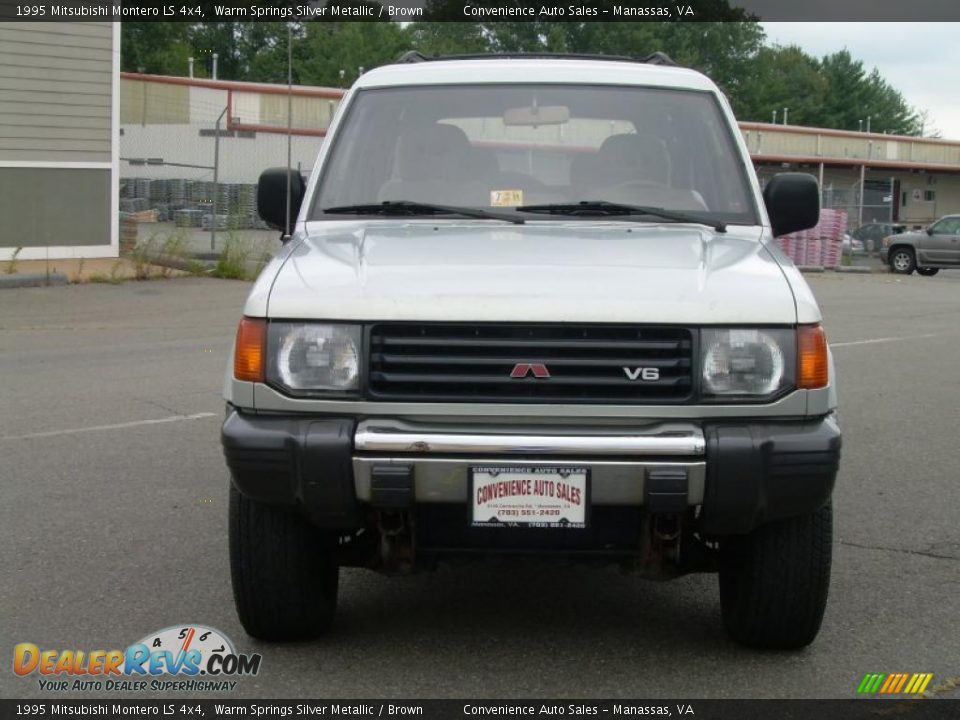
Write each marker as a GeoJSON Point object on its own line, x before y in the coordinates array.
{"type": "Point", "coordinates": [921, 60]}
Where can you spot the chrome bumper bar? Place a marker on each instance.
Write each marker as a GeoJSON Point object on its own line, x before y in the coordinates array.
{"type": "Point", "coordinates": [671, 439]}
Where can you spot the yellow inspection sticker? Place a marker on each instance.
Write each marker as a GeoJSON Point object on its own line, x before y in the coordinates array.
{"type": "Point", "coordinates": [506, 198]}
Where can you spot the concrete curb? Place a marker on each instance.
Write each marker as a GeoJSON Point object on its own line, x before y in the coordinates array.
{"type": "Point", "coordinates": [32, 280]}
{"type": "Point", "coordinates": [851, 269]}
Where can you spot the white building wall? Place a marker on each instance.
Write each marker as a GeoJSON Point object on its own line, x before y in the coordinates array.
{"type": "Point", "coordinates": [242, 159]}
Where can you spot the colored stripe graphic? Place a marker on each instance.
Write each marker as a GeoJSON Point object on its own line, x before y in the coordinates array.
{"type": "Point", "coordinates": [894, 683]}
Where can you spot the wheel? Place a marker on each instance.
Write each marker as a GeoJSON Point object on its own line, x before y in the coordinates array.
{"type": "Point", "coordinates": [774, 581]}
{"type": "Point", "coordinates": [928, 272]}
{"type": "Point", "coordinates": [284, 570]}
{"type": "Point", "coordinates": [902, 261]}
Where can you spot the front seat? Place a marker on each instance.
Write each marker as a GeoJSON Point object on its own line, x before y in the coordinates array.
{"type": "Point", "coordinates": [633, 158]}
{"type": "Point", "coordinates": [433, 163]}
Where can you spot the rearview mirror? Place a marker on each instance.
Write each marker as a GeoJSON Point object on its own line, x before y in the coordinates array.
{"type": "Point", "coordinates": [793, 202]}
{"type": "Point", "coordinates": [536, 115]}
{"type": "Point", "coordinates": [272, 197]}
{"type": "Point", "coordinates": [929, 229]}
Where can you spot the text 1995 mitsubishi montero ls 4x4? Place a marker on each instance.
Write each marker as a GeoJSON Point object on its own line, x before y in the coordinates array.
{"type": "Point", "coordinates": [533, 306]}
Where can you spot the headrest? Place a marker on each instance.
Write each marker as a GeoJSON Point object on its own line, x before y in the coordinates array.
{"type": "Point", "coordinates": [433, 152]}
{"type": "Point", "coordinates": [631, 156]}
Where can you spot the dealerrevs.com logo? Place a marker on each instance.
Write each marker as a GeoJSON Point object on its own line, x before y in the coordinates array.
{"type": "Point", "coordinates": [180, 657]}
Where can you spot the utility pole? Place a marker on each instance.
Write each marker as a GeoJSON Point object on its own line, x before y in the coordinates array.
{"type": "Point", "coordinates": [216, 175]}
{"type": "Point", "coordinates": [863, 173]}
{"type": "Point", "coordinates": [286, 226]}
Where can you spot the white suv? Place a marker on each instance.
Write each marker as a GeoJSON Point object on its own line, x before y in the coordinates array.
{"type": "Point", "coordinates": [533, 306]}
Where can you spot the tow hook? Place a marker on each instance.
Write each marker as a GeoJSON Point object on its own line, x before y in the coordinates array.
{"type": "Point", "coordinates": [396, 554]}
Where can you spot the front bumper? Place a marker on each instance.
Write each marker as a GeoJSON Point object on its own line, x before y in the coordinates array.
{"type": "Point", "coordinates": [884, 254]}
{"type": "Point", "coordinates": [739, 473]}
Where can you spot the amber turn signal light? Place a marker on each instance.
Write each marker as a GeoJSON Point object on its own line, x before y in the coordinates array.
{"type": "Point", "coordinates": [812, 370]}
{"type": "Point", "coordinates": [250, 351]}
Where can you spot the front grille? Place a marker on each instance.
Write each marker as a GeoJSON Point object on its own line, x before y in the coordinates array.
{"type": "Point", "coordinates": [469, 363]}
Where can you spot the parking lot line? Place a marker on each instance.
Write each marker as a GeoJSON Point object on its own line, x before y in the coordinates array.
{"type": "Point", "coordinates": [873, 341]}
{"type": "Point", "coordinates": [118, 426]}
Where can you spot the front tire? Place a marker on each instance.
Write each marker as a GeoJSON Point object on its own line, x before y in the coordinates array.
{"type": "Point", "coordinates": [927, 272]}
{"type": "Point", "coordinates": [284, 571]}
{"type": "Point", "coordinates": [774, 581]}
{"type": "Point", "coordinates": [903, 261]}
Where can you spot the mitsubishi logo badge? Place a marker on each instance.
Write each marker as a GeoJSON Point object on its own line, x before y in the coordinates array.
{"type": "Point", "coordinates": [522, 370]}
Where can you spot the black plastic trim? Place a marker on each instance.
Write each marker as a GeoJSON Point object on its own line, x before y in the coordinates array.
{"type": "Point", "coordinates": [298, 462]}
{"type": "Point", "coordinates": [758, 472]}
{"type": "Point", "coordinates": [391, 486]}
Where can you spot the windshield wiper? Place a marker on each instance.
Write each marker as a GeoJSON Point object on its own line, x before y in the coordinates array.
{"type": "Point", "coordinates": [602, 207]}
{"type": "Point", "coordinates": [409, 207]}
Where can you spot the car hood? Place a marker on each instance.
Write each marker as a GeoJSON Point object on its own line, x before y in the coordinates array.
{"type": "Point", "coordinates": [539, 272]}
{"type": "Point", "coordinates": [911, 236]}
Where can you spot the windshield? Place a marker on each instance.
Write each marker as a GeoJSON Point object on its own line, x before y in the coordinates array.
{"type": "Point", "coordinates": [505, 146]}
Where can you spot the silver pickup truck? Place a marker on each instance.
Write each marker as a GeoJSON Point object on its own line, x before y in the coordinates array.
{"type": "Point", "coordinates": [533, 306]}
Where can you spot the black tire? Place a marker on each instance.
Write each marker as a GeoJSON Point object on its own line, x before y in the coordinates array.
{"type": "Point", "coordinates": [284, 570]}
{"type": "Point", "coordinates": [927, 272]}
{"type": "Point", "coordinates": [774, 581]}
{"type": "Point", "coordinates": [902, 261]}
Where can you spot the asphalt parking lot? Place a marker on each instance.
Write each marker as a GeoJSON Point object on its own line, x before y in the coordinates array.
{"type": "Point", "coordinates": [113, 521]}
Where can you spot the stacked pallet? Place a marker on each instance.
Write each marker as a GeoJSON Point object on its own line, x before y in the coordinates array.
{"type": "Point", "coordinates": [189, 203]}
{"type": "Point", "coordinates": [144, 216]}
{"type": "Point", "coordinates": [821, 245]}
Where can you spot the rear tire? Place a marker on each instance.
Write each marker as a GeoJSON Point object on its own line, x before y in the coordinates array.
{"type": "Point", "coordinates": [774, 581]}
{"type": "Point", "coordinates": [902, 261]}
{"type": "Point", "coordinates": [927, 272]}
{"type": "Point", "coordinates": [284, 570]}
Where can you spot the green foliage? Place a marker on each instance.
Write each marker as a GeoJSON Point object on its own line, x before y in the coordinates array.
{"type": "Point", "coordinates": [158, 48]}
{"type": "Point", "coordinates": [783, 77]}
{"type": "Point", "coordinates": [725, 43]}
{"type": "Point", "coordinates": [232, 264]}
{"type": "Point", "coordinates": [326, 48]}
{"type": "Point", "coordinates": [12, 263]}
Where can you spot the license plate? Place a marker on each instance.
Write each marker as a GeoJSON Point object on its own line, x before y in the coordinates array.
{"type": "Point", "coordinates": [534, 497]}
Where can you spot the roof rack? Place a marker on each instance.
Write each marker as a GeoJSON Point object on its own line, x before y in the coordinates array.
{"type": "Point", "coordinates": [655, 58]}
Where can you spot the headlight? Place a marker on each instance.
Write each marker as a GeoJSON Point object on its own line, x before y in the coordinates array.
{"type": "Point", "coordinates": [305, 357]}
{"type": "Point", "coordinates": [747, 362]}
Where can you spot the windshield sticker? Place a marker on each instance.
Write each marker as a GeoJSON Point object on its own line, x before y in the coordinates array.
{"type": "Point", "coordinates": [506, 198]}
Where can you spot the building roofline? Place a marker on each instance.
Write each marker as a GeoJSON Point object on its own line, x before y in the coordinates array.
{"type": "Point", "coordinates": [239, 86]}
{"type": "Point", "coordinates": [853, 162]}
{"type": "Point", "coordinates": [808, 130]}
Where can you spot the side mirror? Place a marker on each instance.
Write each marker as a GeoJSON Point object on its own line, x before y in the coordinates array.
{"type": "Point", "coordinates": [272, 197]}
{"type": "Point", "coordinates": [793, 202]}
{"type": "Point", "coordinates": [929, 229]}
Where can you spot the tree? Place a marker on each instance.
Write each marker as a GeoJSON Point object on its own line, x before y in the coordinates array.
{"type": "Point", "coordinates": [159, 48]}
{"type": "Point", "coordinates": [852, 96]}
{"type": "Point", "coordinates": [329, 47]}
{"type": "Point", "coordinates": [726, 44]}
{"type": "Point", "coordinates": [782, 77]}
